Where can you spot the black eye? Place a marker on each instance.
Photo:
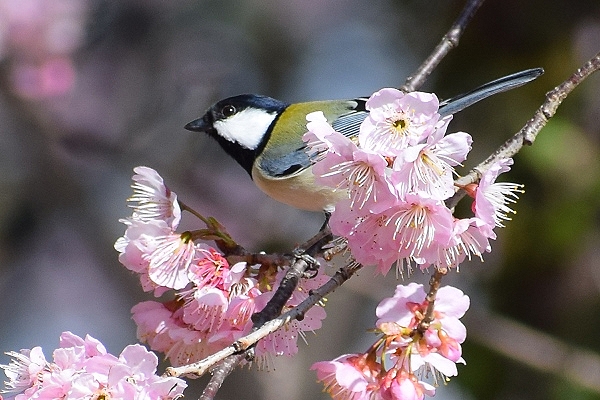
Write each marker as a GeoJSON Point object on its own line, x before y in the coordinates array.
{"type": "Point", "coordinates": [228, 110]}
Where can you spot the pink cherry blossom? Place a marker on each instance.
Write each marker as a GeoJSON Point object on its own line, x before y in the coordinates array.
{"type": "Point", "coordinates": [466, 241]}
{"type": "Point", "coordinates": [469, 239]}
{"type": "Point", "coordinates": [400, 233]}
{"type": "Point", "coordinates": [417, 224]}
{"type": "Point", "coordinates": [81, 368]}
{"type": "Point", "coordinates": [397, 308]}
{"type": "Point", "coordinates": [210, 268]}
{"type": "Point", "coordinates": [397, 175]}
{"type": "Point", "coordinates": [150, 245]}
{"type": "Point", "coordinates": [236, 318]}
{"type": "Point", "coordinates": [399, 363]}
{"type": "Point", "coordinates": [350, 377]}
{"type": "Point", "coordinates": [439, 347]}
{"type": "Point", "coordinates": [492, 199]}
{"type": "Point", "coordinates": [204, 309]}
{"type": "Point", "coordinates": [93, 347]}
{"type": "Point", "coordinates": [24, 370]}
{"type": "Point", "coordinates": [428, 167]}
{"type": "Point", "coordinates": [397, 120]}
{"type": "Point", "coordinates": [284, 341]}
{"type": "Point", "coordinates": [139, 241]}
{"type": "Point", "coordinates": [344, 166]}
{"type": "Point", "coordinates": [162, 327]}
{"type": "Point", "coordinates": [171, 260]}
{"type": "Point", "coordinates": [203, 319]}
{"type": "Point", "coordinates": [152, 198]}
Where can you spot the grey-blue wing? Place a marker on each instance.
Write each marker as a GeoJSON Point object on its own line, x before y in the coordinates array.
{"type": "Point", "coordinates": [286, 165]}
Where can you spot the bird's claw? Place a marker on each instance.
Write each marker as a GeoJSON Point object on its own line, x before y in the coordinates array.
{"type": "Point", "coordinates": [313, 265]}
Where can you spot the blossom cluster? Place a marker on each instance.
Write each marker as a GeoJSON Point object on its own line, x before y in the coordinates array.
{"type": "Point", "coordinates": [211, 301]}
{"type": "Point", "coordinates": [81, 368]}
{"type": "Point", "coordinates": [408, 351]}
{"type": "Point", "coordinates": [398, 173]}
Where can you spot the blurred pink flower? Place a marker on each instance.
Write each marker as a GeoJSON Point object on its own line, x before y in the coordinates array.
{"type": "Point", "coordinates": [51, 77]}
{"type": "Point", "coordinates": [39, 39]}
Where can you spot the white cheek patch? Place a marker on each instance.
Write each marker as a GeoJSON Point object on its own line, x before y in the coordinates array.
{"type": "Point", "coordinates": [247, 128]}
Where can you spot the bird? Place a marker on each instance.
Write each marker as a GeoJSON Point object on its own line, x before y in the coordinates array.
{"type": "Point", "coordinates": [264, 135]}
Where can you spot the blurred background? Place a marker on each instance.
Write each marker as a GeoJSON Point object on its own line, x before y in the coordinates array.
{"type": "Point", "coordinates": [90, 88]}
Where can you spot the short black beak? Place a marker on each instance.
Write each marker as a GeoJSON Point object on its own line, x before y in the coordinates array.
{"type": "Point", "coordinates": [198, 125]}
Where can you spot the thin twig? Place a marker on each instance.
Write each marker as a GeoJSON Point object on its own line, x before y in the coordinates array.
{"type": "Point", "coordinates": [448, 42]}
{"type": "Point", "coordinates": [434, 284]}
{"type": "Point", "coordinates": [215, 231]}
{"type": "Point", "coordinates": [219, 375]}
{"type": "Point", "coordinates": [529, 132]}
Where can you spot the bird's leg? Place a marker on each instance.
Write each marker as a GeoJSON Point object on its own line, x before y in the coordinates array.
{"type": "Point", "coordinates": [326, 222]}
{"type": "Point", "coordinates": [313, 247]}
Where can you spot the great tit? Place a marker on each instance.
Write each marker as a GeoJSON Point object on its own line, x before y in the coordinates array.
{"type": "Point", "coordinates": [264, 136]}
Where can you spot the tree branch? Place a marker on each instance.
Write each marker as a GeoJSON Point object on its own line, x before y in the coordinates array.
{"type": "Point", "coordinates": [448, 42]}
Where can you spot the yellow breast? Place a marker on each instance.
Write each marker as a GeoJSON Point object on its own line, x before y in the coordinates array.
{"type": "Point", "coordinates": [299, 191]}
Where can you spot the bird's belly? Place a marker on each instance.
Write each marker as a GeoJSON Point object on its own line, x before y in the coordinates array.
{"type": "Point", "coordinates": [299, 191]}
